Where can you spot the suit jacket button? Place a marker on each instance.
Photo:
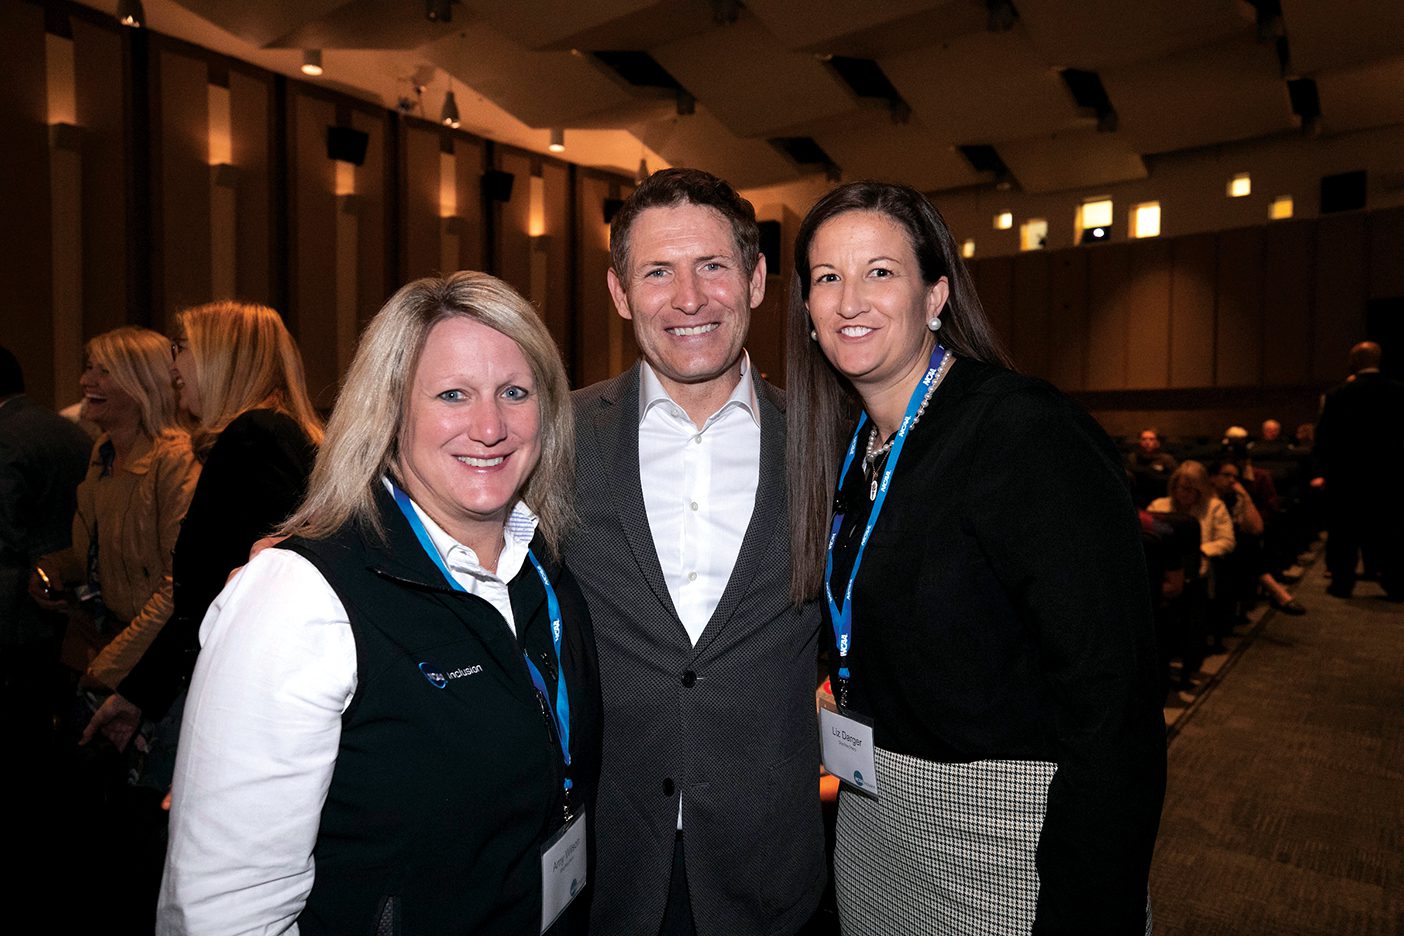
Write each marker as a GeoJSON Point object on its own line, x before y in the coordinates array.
{"type": "Point", "coordinates": [668, 787]}
{"type": "Point", "coordinates": [689, 679]}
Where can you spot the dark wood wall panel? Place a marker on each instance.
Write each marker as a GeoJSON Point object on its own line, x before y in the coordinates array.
{"type": "Point", "coordinates": [1387, 254]}
{"type": "Point", "coordinates": [768, 321]}
{"type": "Point", "coordinates": [1238, 352]}
{"type": "Point", "coordinates": [598, 325]}
{"type": "Point", "coordinates": [250, 111]}
{"type": "Point", "coordinates": [1148, 328]}
{"type": "Point", "coordinates": [1192, 311]}
{"type": "Point", "coordinates": [98, 62]}
{"type": "Point", "coordinates": [374, 283]}
{"type": "Point", "coordinates": [468, 166]}
{"type": "Point", "coordinates": [419, 205]}
{"type": "Point", "coordinates": [994, 281]}
{"type": "Point", "coordinates": [1067, 320]}
{"type": "Point", "coordinates": [183, 254]}
{"type": "Point", "coordinates": [1288, 250]}
{"type": "Point", "coordinates": [1109, 272]}
{"type": "Point", "coordinates": [1341, 283]}
{"type": "Point", "coordinates": [26, 325]}
{"type": "Point", "coordinates": [555, 304]}
{"type": "Point", "coordinates": [1029, 307]}
{"type": "Point", "coordinates": [514, 222]}
{"type": "Point", "coordinates": [311, 308]}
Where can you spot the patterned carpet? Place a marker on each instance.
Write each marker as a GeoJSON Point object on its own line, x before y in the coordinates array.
{"type": "Point", "coordinates": [1285, 809]}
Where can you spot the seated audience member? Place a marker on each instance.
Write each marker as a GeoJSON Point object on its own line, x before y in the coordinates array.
{"type": "Point", "coordinates": [1270, 445]}
{"type": "Point", "coordinates": [1149, 467]}
{"type": "Point", "coordinates": [1192, 493]}
{"type": "Point", "coordinates": [1248, 524]}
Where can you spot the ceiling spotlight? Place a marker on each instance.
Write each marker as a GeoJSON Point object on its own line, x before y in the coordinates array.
{"type": "Point", "coordinates": [449, 115]}
{"type": "Point", "coordinates": [642, 174]}
{"type": "Point", "coordinates": [130, 13]}
{"type": "Point", "coordinates": [312, 62]}
{"type": "Point", "coordinates": [687, 104]}
{"type": "Point", "coordinates": [439, 11]}
{"type": "Point", "coordinates": [557, 144]}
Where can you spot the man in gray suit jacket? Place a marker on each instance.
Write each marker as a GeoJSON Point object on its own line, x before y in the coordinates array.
{"type": "Point", "coordinates": [708, 817]}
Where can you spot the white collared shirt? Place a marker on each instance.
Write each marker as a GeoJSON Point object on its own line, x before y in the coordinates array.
{"type": "Point", "coordinates": [699, 488]}
{"type": "Point", "coordinates": [261, 732]}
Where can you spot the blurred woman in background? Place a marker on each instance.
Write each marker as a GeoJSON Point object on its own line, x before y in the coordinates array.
{"type": "Point", "coordinates": [130, 506]}
{"type": "Point", "coordinates": [240, 376]}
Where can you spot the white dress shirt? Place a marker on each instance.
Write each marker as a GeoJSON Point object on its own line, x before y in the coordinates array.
{"type": "Point", "coordinates": [699, 488]}
{"type": "Point", "coordinates": [261, 732]}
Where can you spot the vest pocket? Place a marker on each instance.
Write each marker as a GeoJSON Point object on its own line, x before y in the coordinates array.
{"type": "Point", "coordinates": [387, 917]}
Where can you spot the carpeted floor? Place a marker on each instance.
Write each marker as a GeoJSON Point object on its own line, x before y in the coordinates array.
{"type": "Point", "coordinates": [1285, 808]}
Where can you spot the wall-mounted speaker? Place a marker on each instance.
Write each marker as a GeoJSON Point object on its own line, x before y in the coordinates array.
{"type": "Point", "coordinates": [1344, 191]}
{"type": "Point", "coordinates": [497, 185]}
{"type": "Point", "coordinates": [347, 145]}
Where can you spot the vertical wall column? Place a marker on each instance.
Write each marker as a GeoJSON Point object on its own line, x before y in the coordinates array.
{"type": "Point", "coordinates": [348, 231]}
{"type": "Point", "coordinates": [66, 206]}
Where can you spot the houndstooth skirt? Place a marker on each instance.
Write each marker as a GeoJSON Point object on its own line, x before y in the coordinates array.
{"type": "Point", "coordinates": [949, 848]}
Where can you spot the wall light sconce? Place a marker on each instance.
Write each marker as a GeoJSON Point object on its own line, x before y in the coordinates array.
{"type": "Point", "coordinates": [130, 13]}
{"type": "Point", "coordinates": [557, 144]}
{"type": "Point", "coordinates": [541, 243]}
{"type": "Point", "coordinates": [224, 175]}
{"type": "Point", "coordinates": [312, 62]}
{"type": "Point", "coordinates": [66, 136]}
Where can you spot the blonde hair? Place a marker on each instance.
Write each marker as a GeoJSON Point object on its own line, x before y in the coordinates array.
{"type": "Point", "coordinates": [364, 433]}
{"type": "Point", "coordinates": [1196, 476]}
{"type": "Point", "coordinates": [139, 362]}
{"type": "Point", "coordinates": [244, 359]}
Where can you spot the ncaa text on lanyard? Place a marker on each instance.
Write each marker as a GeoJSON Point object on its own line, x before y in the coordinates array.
{"type": "Point", "coordinates": [561, 710]}
{"type": "Point", "coordinates": [842, 614]}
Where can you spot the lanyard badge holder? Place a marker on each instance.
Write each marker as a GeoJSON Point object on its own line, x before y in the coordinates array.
{"type": "Point", "coordinates": [846, 737]}
{"type": "Point", "coordinates": [563, 863]}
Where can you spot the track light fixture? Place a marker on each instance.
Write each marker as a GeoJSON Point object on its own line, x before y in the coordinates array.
{"type": "Point", "coordinates": [130, 13]}
{"type": "Point", "coordinates": [312, 62]}
{"type": "Point", "coordinates": [557, 144]}
{"type": "Point", "coordinates": [439, 11]}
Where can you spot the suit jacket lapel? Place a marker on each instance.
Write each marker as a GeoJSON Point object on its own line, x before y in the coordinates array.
{"type": "Point", "coordinates": [617, 434]}
{"type": "Point", "coordinates": [758, 545]}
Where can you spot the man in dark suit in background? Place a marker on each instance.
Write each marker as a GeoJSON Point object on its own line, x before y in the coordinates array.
{"type": "Point", "coordinates": [1360, 448]}
{"type": "Point", "coordinates": [708, 815]}
{"type": "Point", "coordinates": [43, 457]}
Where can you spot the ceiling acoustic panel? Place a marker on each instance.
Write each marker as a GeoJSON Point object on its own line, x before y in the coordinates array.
{"type": "Point", "coordinates": [700, 141]}
{"type": "Point", "coordinates": [1070, 160]}
{"type": "Point", "coordinates": [368, 24]}
{"type": "Point", "coordinates": [750, 82]}
{"type": "Point", "coordinates": [261, 22]}
{"type": "Point", "coordinates": [1093, 34]}
{"type": "Point", "coordinates": [983, 88]}
{"type": "Point", "coordinates": [1362, 97]}
{"type": "Point", "coordinates": [541, 89]}
{"type": "Point", "coordinates": [819, 25]}
{"type": "Point", "coordinates": [1342, 32]}
{"type": "Point", "coordinates": [910, 153]}
{"type": "Point", "coordinates": [1215, 94]}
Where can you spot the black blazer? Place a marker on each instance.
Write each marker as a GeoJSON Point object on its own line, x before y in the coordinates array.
{"type": "Point", "coordinates": [1002, 612]}
{"type": "Point", "coordinates": [253, 478]}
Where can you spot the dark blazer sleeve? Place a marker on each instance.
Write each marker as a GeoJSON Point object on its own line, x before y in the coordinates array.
{"type": "Point", "coordinates": [1056, 521]}
{"type": "Point", "coordinates": [254, 477]}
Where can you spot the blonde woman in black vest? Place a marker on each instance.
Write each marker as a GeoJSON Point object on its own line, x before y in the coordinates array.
{"type": "Point", "coordinates": [393, 726]}
{"type": "Point", "coordinates": [998, 726]}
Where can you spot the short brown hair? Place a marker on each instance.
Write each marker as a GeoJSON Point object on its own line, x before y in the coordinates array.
{"type": "Point", "coordinates": [670, 188]}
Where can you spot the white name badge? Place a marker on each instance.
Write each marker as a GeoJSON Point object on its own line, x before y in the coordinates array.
{"type": "Point", "coordinates": [562, 870]}
{"type": "Point", "coordinates": [847, 744]}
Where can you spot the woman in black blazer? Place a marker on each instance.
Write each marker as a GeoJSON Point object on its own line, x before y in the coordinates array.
{"type": "Point", "coordinates": [979, 556]}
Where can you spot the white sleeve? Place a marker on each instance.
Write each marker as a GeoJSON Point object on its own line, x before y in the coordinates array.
{"type": "Point", "coordinates": [258, 743]}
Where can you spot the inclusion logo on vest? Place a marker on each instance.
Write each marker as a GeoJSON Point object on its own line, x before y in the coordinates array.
{"type": "Point", "coordinates": [439, 679]}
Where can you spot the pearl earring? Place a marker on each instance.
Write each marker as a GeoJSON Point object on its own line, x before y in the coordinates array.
{"type": "Point", "coordinates": [813, 335]}
{"type": "Point", "coordinates": [934, 324]}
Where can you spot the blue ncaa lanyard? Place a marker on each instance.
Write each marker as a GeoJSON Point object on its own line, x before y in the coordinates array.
{"type": "Point", "coordinates": [561, 710]}
{"type": "Point", "coordinates": [842, 615]}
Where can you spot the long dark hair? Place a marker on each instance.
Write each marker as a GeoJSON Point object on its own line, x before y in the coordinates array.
{"type": "Point", "coordinates": [822, 406]}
